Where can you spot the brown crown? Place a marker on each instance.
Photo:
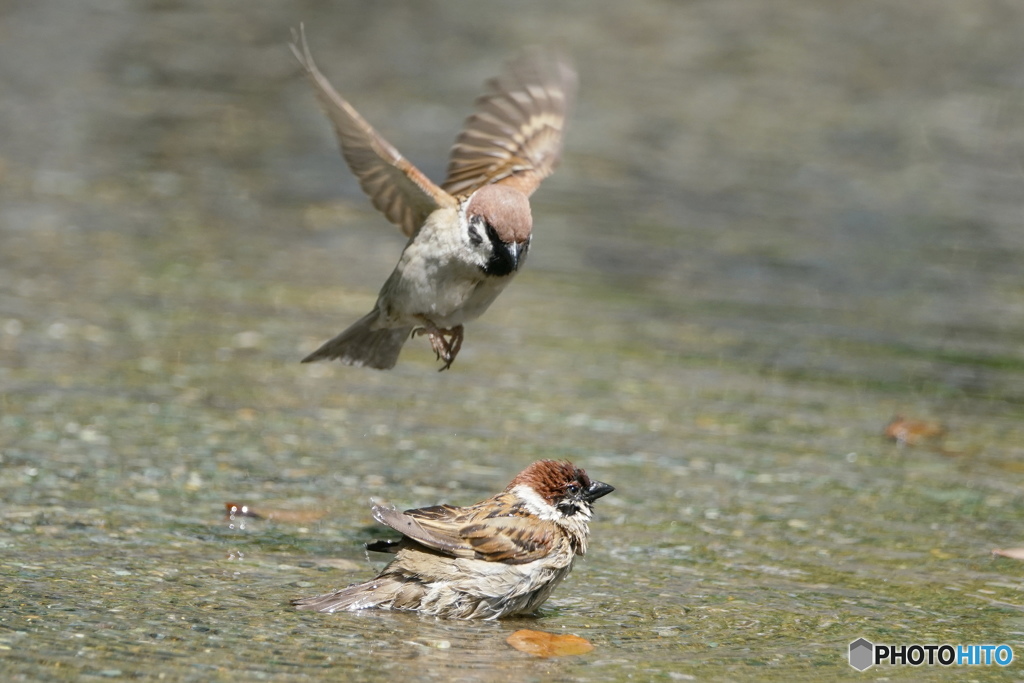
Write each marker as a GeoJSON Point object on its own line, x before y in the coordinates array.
{"type": "Point", "coordinates": [506, 209]}
{"type": "Point", "coordinates": [551, 478]}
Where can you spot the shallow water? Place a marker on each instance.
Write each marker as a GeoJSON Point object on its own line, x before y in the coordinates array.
{"type": "Point", "coordinates": [776, 227]}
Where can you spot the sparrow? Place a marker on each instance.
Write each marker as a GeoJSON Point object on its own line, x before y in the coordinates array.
{"type": "Point", "coordinates": [498, 558]}
{"type": "Point", "coordinates": [467, 237]}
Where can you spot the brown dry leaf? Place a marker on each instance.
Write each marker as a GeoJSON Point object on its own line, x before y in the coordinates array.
{"type": "Point", "coordinates": [1012, 553]}
{"type": "Point", "coordinates": [287, 516]}
{"type": "Point", "coordinates": [544, 644]}
{"type": "Point", "coordinates": [913, 432]}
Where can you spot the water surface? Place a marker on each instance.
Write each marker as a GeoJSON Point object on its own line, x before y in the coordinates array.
{"type": "Point", "coordinates": [776, 227]}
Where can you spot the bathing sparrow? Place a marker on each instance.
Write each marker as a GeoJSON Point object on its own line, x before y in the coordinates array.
{"type": "Point", "coordinates": [500, 557]}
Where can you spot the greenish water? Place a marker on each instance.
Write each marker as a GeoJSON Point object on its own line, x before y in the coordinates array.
{"type": "Point", "coordinates": [776, 227]}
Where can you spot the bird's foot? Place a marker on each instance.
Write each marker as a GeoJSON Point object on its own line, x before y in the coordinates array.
{"type": "Point", "coordinates": [446, 342]}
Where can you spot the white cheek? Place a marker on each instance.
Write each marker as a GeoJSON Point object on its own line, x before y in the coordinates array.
{"type": "Point", "coordinates": [537, 505]}
{"type": "Point", "coordinates": [476, 254]}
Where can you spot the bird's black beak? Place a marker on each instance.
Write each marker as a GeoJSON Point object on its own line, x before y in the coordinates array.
{"type": "Point", "coordinates": [513, 255]}
{"type": "Point", "coordinates": [506, 257]}
{"type": "Point", "coordinates": [596, 490]}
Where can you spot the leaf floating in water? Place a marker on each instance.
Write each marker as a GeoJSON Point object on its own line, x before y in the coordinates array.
{"type": "Point", "coordinates": [911, 432]}
{"type": "Point", "coordinates": [235, 510]}
{"type": "Point", "coordinates": [544, 644]}
{"type": "Point", "coordinates": [1012, 553]}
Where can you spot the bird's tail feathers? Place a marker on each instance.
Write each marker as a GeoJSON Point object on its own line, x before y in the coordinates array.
{"type": "Point", "coordinates": [362, 345]}
{"type": "Point", "coordinates": [382, 592]}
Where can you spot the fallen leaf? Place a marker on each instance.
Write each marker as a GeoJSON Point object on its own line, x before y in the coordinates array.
{"type": "Point", "coordinates": [544, 644]}
{"type": "Point", "coordinates": [1012, 553]}
{"type": "Point", "coordinates": [912, 432]}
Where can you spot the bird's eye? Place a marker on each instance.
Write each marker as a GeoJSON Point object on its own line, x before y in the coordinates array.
{"type": "Point", "coordinates": [474, 234]}
{"type": "Point", "coordinates": [573, 489]}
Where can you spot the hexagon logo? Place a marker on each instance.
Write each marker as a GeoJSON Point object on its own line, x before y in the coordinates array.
{"type": "Point", "coordinates": [862, 654]}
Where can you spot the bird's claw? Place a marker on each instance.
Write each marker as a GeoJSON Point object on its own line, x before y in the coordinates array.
{"type": "Point", "coordinates": [446, 342]}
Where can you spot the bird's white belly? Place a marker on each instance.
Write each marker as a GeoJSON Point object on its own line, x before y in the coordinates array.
{"type": "Point", "coordinates": [457, 307]}
{"type": "Point", "coordinates": [443, 289]}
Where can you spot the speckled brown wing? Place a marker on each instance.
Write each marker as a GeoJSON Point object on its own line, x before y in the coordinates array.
{"type": "Point", "coordinates": [514, 136]}
{"type": "Point", "coordinates": [397, 188]}
{"type": "Point", "coordinates": [512, 536]}
{"type": "Point", "coordinates": [512, 540]}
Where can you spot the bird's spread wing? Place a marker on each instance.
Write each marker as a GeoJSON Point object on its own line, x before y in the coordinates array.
{"type": "Point", "coordinates": [397, 188]}
{"type": "Point", "coordinates": [471, 532]}
{"type": "Point", "coordinates": [514, 135]}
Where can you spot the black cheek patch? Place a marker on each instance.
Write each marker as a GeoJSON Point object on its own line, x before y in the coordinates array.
{"type": "Point", "coordinates": [568, 509]}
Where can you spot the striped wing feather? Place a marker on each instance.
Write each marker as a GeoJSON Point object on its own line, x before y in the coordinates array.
{"type": "Point", "coordinates": [514, 136]}
{"type": "Point", "coordinates": [396, 187]}
{"type": "Point", "coordinates": [511, 537]}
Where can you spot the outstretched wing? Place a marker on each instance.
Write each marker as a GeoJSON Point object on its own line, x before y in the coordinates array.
{"type": "Point", "coordinates": [397, 188]}
{"type": "Point", "coordinates": [514, 135]}
{"type": "Point", "coordinates": [510, 537]}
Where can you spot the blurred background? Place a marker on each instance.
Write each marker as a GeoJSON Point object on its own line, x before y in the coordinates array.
{"type": "Point", "coordinates": [776, 227]}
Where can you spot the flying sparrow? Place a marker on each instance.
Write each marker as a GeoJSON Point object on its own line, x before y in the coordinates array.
{"type": "Point", "coordinates": [500, 557]}
{"type": "Point", "coordinates": [467, 237]}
